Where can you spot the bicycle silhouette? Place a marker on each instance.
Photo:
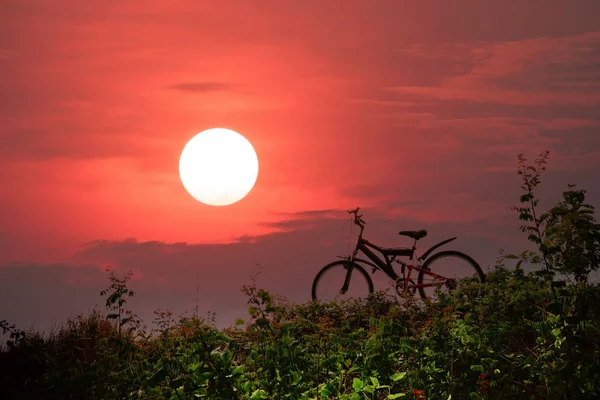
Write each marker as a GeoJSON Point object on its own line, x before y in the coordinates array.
{"type": "Point", "coordinates": [404, 282]}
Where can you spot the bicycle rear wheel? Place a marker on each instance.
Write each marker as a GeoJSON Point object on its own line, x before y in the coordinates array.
{"type": "Point", "coordinates": [454, 267]}
{"type": "Point", "coordinates": [330, 280]}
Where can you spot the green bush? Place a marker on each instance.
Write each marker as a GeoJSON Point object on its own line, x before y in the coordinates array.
{"type": "Point", "coordinates": [521, 335]}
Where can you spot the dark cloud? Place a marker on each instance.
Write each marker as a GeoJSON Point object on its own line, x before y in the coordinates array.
{"type": "Point", "coordinates": [42, 145]}
{"type": "Point", "coordinates": [201, 87]}
{"type": "Point", "coordinates": [574, 141]}
{"type": "Point", "coordinates": [39, 296]}
{"type": "Point", "coordinates": [165, 275]}
{"type": "Point", "coordinates": [523, 72]}
{"type": "Point", "coordinates": [303, 219]}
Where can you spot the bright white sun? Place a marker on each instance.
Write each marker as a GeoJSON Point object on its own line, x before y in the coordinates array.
{"type": "Point", "coordinates": [218, 167]}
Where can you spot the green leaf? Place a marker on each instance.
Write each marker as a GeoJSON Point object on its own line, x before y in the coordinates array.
{"type": "Point", "coordinates": [395, 396]}
{"type": "Point", "coordinates": [259, 394]}
{"type": "Point", "coordinates": [556, 332]}
{"type": "Point", "coordinates": [239, 322]}
{"type": "Point", "coordinates": [327, 390]}
{"type": "Point", "coordinates": [477, 368]}
{"type": "Point", "coordinates": [353, 369]}
{"type": "Point", "coordinates": [295, 377]}
{"type": "Point", "coordinates": [397, 376]}
{"type": "Point", "coordinates": [237, 371]}
{"type": "Point", "coordinates": [357, 384]}
{"type": "Point", "coordinates": [246, 387]}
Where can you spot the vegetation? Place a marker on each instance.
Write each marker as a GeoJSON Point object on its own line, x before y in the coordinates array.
{"type": "Point", "coordinates": [526, 335]}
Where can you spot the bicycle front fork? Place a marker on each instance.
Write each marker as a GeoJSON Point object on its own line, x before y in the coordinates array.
{"type": "Point", "coordinates": [349, 268]}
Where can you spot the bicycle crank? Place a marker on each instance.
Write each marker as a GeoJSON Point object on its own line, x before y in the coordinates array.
{"type": "Point", "coordinates": [401, 287]}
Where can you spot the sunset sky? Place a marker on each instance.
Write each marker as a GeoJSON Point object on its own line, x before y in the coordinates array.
{"type": "Point", "coordinates": [413, 110]}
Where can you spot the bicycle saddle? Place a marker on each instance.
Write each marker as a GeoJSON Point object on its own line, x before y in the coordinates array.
{"type": "Point", "coordinates": [414, 234]}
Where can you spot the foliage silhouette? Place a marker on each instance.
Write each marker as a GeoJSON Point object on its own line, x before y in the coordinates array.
{"type": "Point", "coordinates": [567, 235]}
{"type": "Point", "coordinates": [510, 338]}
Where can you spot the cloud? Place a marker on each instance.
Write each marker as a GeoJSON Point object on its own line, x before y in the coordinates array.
{"type": "Point", "coordinates": [165, 275]}
{"type": "Point", "coordinates": [40, 295]}
{"type": "Point", "coordinates": [488, 102]}
{"type": "Point", "coordinates": [40, 144]}
{"type": "Point", "coordinates": [528, 72]}
{"type": "Point", "coordinates": [574, 140]}
{"type": "Point", "coordinates": [302, 219]}
{"type": "Point", "coordinates": [202, 87]}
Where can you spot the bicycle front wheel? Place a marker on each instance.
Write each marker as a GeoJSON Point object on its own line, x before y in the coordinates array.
{"type": "Point", "coordinates": [445, 270]}
{"type": "Point", "coordinates": [330, 280]}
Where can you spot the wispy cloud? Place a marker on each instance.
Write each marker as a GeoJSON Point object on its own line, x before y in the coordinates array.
{"type": "Point", "coordinates": [540, 71]}
{"type": "Point", "coordinates": [165, 275]}
{"type": "Point", "coordinates": [202, 87]}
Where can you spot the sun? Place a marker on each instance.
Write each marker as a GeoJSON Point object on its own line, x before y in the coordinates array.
{"type": "Point", "coordinates": [218, 167]}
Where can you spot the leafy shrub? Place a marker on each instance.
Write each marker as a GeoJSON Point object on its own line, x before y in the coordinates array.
{"type": "Point", "coordinates": [521, 335]}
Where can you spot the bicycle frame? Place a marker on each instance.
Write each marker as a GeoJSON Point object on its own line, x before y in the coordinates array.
{"type": "Point", "coordinates": [390, 255]}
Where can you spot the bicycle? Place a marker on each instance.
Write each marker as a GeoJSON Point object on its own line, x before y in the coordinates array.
{"type": "Point", "coordinates": [404, 282]}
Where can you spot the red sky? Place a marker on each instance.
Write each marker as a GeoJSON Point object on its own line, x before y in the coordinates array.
{"type": "Point", "coordinates": [414, 111]}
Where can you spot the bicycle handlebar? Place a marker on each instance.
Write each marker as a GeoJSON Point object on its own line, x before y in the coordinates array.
{"type": "Point", "coordinates": [357, 218]}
